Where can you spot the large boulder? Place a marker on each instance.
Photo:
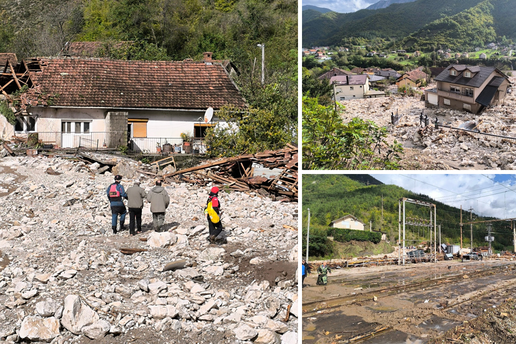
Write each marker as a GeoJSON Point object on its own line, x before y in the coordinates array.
{"type": "Point", "coordinates": [38, 329]}
{"type": "Point", "coordinates": [76, 315]}
{"type": "Point", "coordinates": [245, 332]}
{"type": "Point", "coordinates": [164, 239]}
{"type": "Point", "coordinates": [97, 330]}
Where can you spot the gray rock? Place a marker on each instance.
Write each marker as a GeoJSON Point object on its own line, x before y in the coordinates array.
{"type": "Point", "coordinates": [245, 332]}
{"type": "Point", "coordinates": [289, 338]}
{"type": "Point", "coordinates": [96, 330]}
{"type": "Point", "coordinates": [39, 329]}
{"type": "Point", "coordinates": [76, 315]}
{"type": "Point", "coordinates": [46, 308]}
{"type": "Point", "coordinates": [266, 337]}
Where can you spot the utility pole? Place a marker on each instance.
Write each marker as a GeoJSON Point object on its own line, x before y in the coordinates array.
{"type": "Point", "coordinates": [381, 225]}
{"type": "Point", "coordinates": [440, 247]}
{"type": "Point", "coordinates": [461, 230]}
{"type": "Point", "coordinates": [335, 96]}
{"type": "Point", "coordinates": [370, 225]}
{"type": "Point", "coordinates": [308, 235]}
{"type": "Point", "coordinates": [263, 61]}
{"type": "Point", "coordinates": [489, 237]}
{"type": "Point", "coordinates": [471, 228]}
{"type": "Point", "coordinates": [513, 235]}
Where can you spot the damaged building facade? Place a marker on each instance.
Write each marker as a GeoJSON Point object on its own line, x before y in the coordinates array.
{"type": "Point", "coordinates": [92, 102]}
{"type": "Point", "coordinates": [468, 88]}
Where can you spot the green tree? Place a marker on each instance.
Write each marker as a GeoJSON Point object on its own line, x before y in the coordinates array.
{"type": "Point", "coordinates": [328, 143]}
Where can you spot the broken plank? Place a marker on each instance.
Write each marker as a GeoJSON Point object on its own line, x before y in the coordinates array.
{"type": "Point", "coordinates": [14, 76]}
{"type": "Point", "coordinates": [132, 250]}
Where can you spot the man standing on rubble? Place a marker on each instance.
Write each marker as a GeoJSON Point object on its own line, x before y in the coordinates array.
{"type": "Point", "coordinates": [116, 194]}
{"type": "Point", "coordinates": [135, 197]}
{"type": "Point", "coordinates": [213, 214]}
{"type": "Point", "coordinates": [159, 200]}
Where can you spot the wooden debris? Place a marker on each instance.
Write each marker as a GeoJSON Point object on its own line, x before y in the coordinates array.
{"type": "Point", "coordinates": [288, 313]}
{"type": "Point", "coordinates": [237, 173]}
{"type": "Point", "coordinates": [52, 172]}
{"type": "Point", "coordinates": [178, 264]}
{"type": "Point", "coordinates": [132, 250]}
{"type": "Point", "coordinates": [8, 149]}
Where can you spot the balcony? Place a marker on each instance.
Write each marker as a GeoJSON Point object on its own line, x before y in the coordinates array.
{"type": "Point", "coordinates": [457, 96]}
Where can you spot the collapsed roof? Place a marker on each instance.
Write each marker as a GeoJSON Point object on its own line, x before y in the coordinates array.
{"type": "Point", "coordinates": [120, 84]}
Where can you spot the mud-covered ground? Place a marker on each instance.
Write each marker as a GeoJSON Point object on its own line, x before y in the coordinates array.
{"type": "Point", "coordinates": [407, 304]}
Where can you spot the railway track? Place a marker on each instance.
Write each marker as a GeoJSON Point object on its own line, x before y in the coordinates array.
{"type": "Point", "coordinates": [455, 299]}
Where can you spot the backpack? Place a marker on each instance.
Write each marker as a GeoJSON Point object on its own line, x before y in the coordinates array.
{"type": "Point", "coordinates": [113, 191]}
{"type": "Point", "coordinates": [214, 217]}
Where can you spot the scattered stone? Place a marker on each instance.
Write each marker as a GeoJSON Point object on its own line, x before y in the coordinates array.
{"type": "Point", "coordinates": [76, 315]}
{"type": "Point", "coordinates": [245, 332]}
{"type": "Point", "coordinates": [39, 329]}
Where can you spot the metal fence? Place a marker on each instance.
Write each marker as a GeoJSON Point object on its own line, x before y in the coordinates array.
{"type": "Point", "coordinates": [104, 139]}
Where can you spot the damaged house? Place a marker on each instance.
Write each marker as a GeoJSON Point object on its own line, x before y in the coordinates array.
{"type": "Point", "coordinates": [468, 88]}
{"type": "Point", "coordinates": [91, 102]}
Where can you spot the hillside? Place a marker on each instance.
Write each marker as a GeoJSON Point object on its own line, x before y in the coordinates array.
{"type": "Point", "coordinates": [386, 3]}
{"type": "Point", "coordinates": [315, 8]}
{"type": "Point", "coordinates": [418, 24]}
{"type": "Point", "coordinates": [332, 196]}
{"type": "Point", "coordinates": [464, 31]}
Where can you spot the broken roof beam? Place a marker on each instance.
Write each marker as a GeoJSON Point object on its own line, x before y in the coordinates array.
{"type": "Point", "coordinates": [14, 75]}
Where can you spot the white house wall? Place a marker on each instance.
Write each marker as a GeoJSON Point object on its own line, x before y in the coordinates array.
{"type": "Point", "coordinates": [6, 129]}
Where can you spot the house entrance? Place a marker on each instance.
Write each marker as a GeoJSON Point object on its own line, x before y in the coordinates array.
{"type": "Point", "coordinates": [72, 132]}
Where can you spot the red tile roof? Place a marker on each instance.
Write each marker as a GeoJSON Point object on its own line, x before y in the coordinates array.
{"type": "Point", "coordinates": [4, 57]}
{"type": "Point", "coordinates": [88, 82]}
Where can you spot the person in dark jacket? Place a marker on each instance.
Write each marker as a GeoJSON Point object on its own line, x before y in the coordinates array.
{"type": "Point", "coordinates": [214, 226]}
{"type": "Point", "coordinates": [159, 200]}
{"type": "Point", "coordinates": [135, 197]}
{"type": "Point", "coordinates": [305, 271]}
{"type": "Point", "coordinates": [116, 194]}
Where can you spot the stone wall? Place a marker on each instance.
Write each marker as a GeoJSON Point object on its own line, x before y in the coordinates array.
{"type": "Point", "coordinates": [116, 127]}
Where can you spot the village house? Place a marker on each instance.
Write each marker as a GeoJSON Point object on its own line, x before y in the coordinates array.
{"type": "Point", "coordinates": [334, 72]}
{"type": "Point", "coordinates": [413, 79]}
{"type": "Point", "coordinates": [388, 73]}
{"type": "Point", "coordinates": [468, 88]}
{"type": "Point", "coordinates": [347, 87]}
{"type": "Point", "coordinates": [348, 222]}
{"type": "Point", "coordinates": [90, 102]}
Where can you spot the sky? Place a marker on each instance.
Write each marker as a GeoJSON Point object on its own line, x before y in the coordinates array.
{"type": "Point", "coordinates": [341, 6]}
{"type": "Point", "coordinates": [488, 194]}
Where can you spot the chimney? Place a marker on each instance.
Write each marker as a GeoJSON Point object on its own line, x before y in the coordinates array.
{"type": "Point", "coordinates": [207, 56]}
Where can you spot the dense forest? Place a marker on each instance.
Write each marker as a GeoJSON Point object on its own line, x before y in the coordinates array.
{"type": "Point", "coordinates": [177, 30]}
{"type": "Point", "coordinates": [420, 25]}
{"type": "Point", "coordinates": [330, 197]}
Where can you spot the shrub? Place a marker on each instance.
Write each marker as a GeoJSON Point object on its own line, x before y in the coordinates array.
{"type": "Point", "coordinates": [346, 235]}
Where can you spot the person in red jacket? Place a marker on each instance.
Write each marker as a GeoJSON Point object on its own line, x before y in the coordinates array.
{"type": "Point", "coordinates": [215, 227]}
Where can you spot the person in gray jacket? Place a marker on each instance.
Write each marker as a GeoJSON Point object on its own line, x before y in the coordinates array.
{"type": "Point", "coordinates": [159, 200]}
{"type": "Point", "coordinates": [135, 196]}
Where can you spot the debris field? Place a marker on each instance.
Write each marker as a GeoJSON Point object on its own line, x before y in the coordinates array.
{"type": "Point", "coordinates": [428, 148]}
{"type": "Point", "coordinates": [65, 278]}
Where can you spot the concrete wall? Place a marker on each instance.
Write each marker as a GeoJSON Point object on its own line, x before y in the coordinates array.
{"type": "Point", "coordinates": [344, 92]}
{"type": "Point", "coordinates": [116, 129]}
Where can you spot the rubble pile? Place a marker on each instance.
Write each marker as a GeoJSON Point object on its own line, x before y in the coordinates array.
{"type": "Point", "coordinates": [237, 173]}
{"type": "Point", "coordinates": [64, 277]}
{"type": "Point", "coordinates": [443, 148]}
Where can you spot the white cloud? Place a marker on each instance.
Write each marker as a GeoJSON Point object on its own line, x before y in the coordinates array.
{"type": "Point", "coordinates": [343, 6]}
{"type": "Point", "coordinates": [486, 197]}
